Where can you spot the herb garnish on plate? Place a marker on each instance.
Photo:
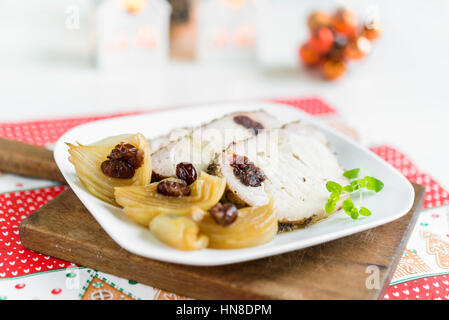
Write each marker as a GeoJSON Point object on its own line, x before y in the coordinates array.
{"type": "Point", "coordinates": [355, 185]}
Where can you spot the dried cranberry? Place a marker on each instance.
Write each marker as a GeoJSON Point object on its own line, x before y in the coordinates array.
{"type": "Point", "coordinates": [123, 161]}
{"type": "Point", "coordinates": [224, 214]}
{"type": "Point", "coordinates": [173, 188]}
{"type": "Point", "coordinates": [128, 152]}
{"type": "Point", "coordinates": [186, 171]}
{"type": "Point", "coordinates": [248, 123]}
{"type": "Point", "coordinates": [247, 172]}
{"type": "Point", "coordinates": [118, 169]}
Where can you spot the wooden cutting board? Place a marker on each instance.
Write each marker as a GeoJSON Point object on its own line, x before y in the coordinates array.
{"type": "Point", "coordinates": [28, 160]}
{"type": "Point", "coordinates": [63, 228]}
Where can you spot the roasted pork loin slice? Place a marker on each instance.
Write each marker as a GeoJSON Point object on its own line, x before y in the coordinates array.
{"type": "Point", "coordinates": [202, 143]}
{"type": "Point", "coordinates": [161, 141]}
{"type": "Point", "coordinates": [292, 164]}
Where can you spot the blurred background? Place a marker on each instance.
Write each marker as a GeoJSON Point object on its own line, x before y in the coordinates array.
{"type": "Point", "coordinates": [73, 57]}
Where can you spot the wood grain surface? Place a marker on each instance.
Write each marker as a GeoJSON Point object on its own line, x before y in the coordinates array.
{"type": "Point", "coordinates": [28, 160]}
{"type": "Point", "coordinates": [63, 228]}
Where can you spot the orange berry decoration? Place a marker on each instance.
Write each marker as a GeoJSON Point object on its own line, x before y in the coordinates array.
{"type": "Point", "coordinates": [333, 69]}
{"type": "Point", "coordinates": [318, 19]}
{"type": "Point", "coordinates": [372, 30]}
{"type": "Point", "coordinates": [357, 48]}
{"type": "Point", "coordinates": [322, 40]}
{"type": "Point", "coordinates": [335, 39]}
{"type": "Point", "coordinates": [308, 55]}
{"type": "Point", "coordinates": [345, 21]}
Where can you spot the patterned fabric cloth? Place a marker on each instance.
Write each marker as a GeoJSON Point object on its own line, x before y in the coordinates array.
{"type": "Point", "coordinates": [423, 272]}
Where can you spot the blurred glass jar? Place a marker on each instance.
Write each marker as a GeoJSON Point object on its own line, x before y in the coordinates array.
{"type": "Point", "coordinates": [131, 34]}
{"type": "Point", "coordinates": [225, 30]}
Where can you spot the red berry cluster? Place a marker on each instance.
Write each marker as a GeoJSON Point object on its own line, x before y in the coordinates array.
{"type": "Point", "coordinates": [336, 38]}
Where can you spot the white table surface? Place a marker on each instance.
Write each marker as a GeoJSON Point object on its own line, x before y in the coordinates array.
{"type": "Point", "coordinates": [399, 95]}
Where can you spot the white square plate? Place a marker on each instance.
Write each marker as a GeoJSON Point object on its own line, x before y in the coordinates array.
{"type": "Point", "coordinates": [394, 201]}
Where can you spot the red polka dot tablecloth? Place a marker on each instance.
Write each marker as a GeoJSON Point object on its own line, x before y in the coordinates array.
{"type": "Point", "coordinates": [423, 271]}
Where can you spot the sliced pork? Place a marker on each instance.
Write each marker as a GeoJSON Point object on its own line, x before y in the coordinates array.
{"type": "Point", "coordinates": [161, 141]}
{"type": "Point", "coordinates": [200, 145]}
{"type": "Point", "coordinates": [292, 164]}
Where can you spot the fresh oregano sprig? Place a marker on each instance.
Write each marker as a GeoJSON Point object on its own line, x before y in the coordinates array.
{"type": "Point", "coordinates": [356, 185]}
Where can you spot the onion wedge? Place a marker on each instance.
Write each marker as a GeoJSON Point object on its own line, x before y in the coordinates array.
{"type": "Point", "coordinates": [254, 226]}
{"type": "Point", "coordinates": [87, 160]}
{"type": "Point", "coordinates": [143, 203]}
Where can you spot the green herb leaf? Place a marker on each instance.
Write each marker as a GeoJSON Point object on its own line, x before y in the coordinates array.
{"type": "Point", "coordinates": [354, 213]}
{"type": "Point", "coordinates": [352, 174]}
{"type": "Point", "coordinates": [334, 187]}
{"type": "Point", "coordinates": [362, 182]}
{"type": "Point", "coordinates": [364, 212]}
{"type": "Point", "coordinates": [355, 185]}
{"type": "Point", "coordinates": [374, 184]}
{"type": "Point", "coordinates": [335, 196]}
{"type": "Point", "coordinates": [330, 206]}
{"type": "Point", "coordinates": [348, 205]}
